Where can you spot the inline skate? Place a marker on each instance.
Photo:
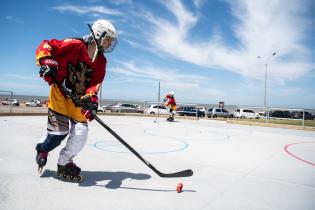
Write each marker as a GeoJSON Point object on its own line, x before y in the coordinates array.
{"type": "Point", "coordinates": [41, 159]}
{"type": "Point", "coordinates": [69, 172]}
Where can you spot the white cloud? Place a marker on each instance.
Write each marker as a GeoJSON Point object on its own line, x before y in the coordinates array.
{"type": "Point", "coordinates": [170, 77]}
{"type": "Point", "coordinates": [263, 27]}
{"type": "Point", "coordinates": [28, 88]}
{"type": "Point", "coordinates": [121, 2]}
{"type": "Point", "coordinates": [133, 44]}
{"type": "Point", "coordinates": [14, 19]}
{"type": "Point", "coordinates": [87, 10]}
{"type": "Point", "coordinates": [22, 77]}
{"type": "Point", "coordinates": [188, 87]}
{"type": "Point", "coordinates": [260, 27]}
{"type": "Point", "coordinates": [198, 3]}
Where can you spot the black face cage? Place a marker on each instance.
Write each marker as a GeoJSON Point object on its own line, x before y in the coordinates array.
{"type": "Point", "coordinates": [112, 45]}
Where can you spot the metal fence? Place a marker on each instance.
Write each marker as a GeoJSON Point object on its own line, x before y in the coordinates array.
{"type": "Point", "coordinates": [6, 98]}
{"type": "Point", "coordinates": [297, 115]}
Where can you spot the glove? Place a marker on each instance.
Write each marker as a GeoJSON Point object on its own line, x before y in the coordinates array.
{"type": "Point", "coordinates": [48, 70]}
{"type": "Point", "coordinates": [89, 106]}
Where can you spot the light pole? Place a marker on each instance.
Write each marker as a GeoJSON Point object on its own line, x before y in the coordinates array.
{"type": "Point", "coordinates": [101, 95]}
{"type": "Point", "coordinates": [265, 97]}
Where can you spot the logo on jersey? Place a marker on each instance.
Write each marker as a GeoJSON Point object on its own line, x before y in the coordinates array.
{"type": "Point", "coordinates": [78, 78]}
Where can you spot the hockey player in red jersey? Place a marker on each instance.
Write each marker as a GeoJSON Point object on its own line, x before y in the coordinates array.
{"type": "Point", "coordinates": [74, 69]}
{"type": "Point", "coordinates": [169, 101]}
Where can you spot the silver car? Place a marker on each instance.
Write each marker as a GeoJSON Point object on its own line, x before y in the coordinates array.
{"type": "Point", "coordinates": [126, 108]}
{"type": "Point", "coordinates": [7, 101]}
{"type": "Point", "coordinates": [34, 103]}
{"type": "Point", "coordinates": [219, 113]}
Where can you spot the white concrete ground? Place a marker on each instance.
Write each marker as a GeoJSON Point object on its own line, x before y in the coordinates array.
{"type": "Point", "coordinates": [235, 167]}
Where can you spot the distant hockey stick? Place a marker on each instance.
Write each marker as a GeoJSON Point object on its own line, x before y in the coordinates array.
{"type": "Point", "coordinates": [184, 173]}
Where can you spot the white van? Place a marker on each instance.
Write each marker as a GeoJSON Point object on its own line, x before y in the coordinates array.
{"type": "Point", "coordinates": [245, 113]}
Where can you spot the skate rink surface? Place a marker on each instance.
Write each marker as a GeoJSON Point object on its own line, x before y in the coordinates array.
{"type": "Point", "coordinates": [236, 167]}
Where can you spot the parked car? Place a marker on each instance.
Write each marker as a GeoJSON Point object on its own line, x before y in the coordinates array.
{"type": "Point", "coordinates": [245, 113]}
{"type": "Point", "coordinates": [154, 109]}
{"type": "Point", "coordinates": [189, 111]}
{"type": "Point", "coordinates": [100, 109]}
{"type": "Point", "coordinates": [219, 113]}
{"type": "Point", "coordinates": [7, 101]}
{"type": "Point", "coordinates": [279, 114]}
{"type": "Point", "coordinates": [262, 114]}
{"type": "Point", "coordinates": [299, 115]}
{"type": "Point", "coordinates": [126, 108]}
{"type": "Point", "coordinates": [34, 103]}
{"type": "Point", "coordinates": [286, 114]}
{"type": "Point", "coordinates": [107, 107]}
{"type": "Point", "coordinates": [308, 116]}
{"type": "Point", "coordinates": [202, 109]}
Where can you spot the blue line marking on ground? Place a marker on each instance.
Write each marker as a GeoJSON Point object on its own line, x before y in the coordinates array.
{"type": "Point", "coordinates": [105, 146]}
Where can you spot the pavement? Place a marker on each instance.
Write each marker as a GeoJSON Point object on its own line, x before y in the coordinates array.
{"type": "Point", "coordinates": [236, 167]}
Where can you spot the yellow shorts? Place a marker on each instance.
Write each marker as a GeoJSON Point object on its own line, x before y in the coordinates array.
{"type": "Point", "coordinates": [62, 105]}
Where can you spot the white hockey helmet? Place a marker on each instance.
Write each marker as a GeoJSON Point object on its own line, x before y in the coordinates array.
{"type": "Point", "coordinates": [171, 93]}
{"type": "Point", "coordinates": [103, 29]}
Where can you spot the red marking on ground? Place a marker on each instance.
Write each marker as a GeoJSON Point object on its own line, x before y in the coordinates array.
{"type": "Point", "coordinates": [286, 149]}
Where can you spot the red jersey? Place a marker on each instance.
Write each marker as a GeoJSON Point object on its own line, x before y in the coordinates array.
{"type": "Point", "coordinates": [170, 101]}
{"type": "Point", "coordinates": [74, 65]}
{"type": "Point", "coordinates": [75, 70]}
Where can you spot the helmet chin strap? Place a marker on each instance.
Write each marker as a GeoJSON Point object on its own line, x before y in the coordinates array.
{"type": "Point", "coordinates": [98, 46]}
{"type": "Point", "coordinates": [95, 53]}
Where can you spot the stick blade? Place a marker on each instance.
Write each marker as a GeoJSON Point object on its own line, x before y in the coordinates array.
{"type": "Point", "coordinates": [185, 173]}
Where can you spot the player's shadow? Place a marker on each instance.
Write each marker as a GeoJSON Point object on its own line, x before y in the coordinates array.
{"type": "Point", "coordinates": [90, 178]}
{"type": "Point", "coordinates": [114, 180]}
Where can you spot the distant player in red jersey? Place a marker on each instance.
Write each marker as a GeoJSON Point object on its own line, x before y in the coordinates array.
{"type": "Point", "coordinates": [169, 101]}
{"type": "Point", "coordinates": [75, 70]}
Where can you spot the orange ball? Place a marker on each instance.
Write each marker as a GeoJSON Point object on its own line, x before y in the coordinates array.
{"type": "Point", "coordinates": [179, 187]}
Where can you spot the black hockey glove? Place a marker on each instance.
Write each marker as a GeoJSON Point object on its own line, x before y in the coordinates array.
{"type": "Point", "coordinates": [89, 106]}
{"type": "Point", "coordinates": [48, 70]}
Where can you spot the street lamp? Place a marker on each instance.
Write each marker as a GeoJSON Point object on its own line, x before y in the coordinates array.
{"type": "Point", "coordinates": [265, 98]}
{"type": "Point", "coordinates": [101, 94]}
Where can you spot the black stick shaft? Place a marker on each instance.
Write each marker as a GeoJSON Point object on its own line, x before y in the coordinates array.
{"type": "Point", "coordinates": [122, 141]}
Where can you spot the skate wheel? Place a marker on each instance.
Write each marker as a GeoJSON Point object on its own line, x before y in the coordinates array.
{"type": "Point", "coordinates": [64, 176]}
{"type": "Point", "coordinates": [79, 178]}
{"type": "Point", "coordinates": [71, 178]}
{"type": "Point", "coordinates": [58, 174]}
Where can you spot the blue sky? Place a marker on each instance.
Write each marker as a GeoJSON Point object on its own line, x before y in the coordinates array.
{"type": "Point", "coordinates": [205, 51]}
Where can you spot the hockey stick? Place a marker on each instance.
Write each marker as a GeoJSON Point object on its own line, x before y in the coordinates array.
{"type": "Point", "coordinates": [184, 173]}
